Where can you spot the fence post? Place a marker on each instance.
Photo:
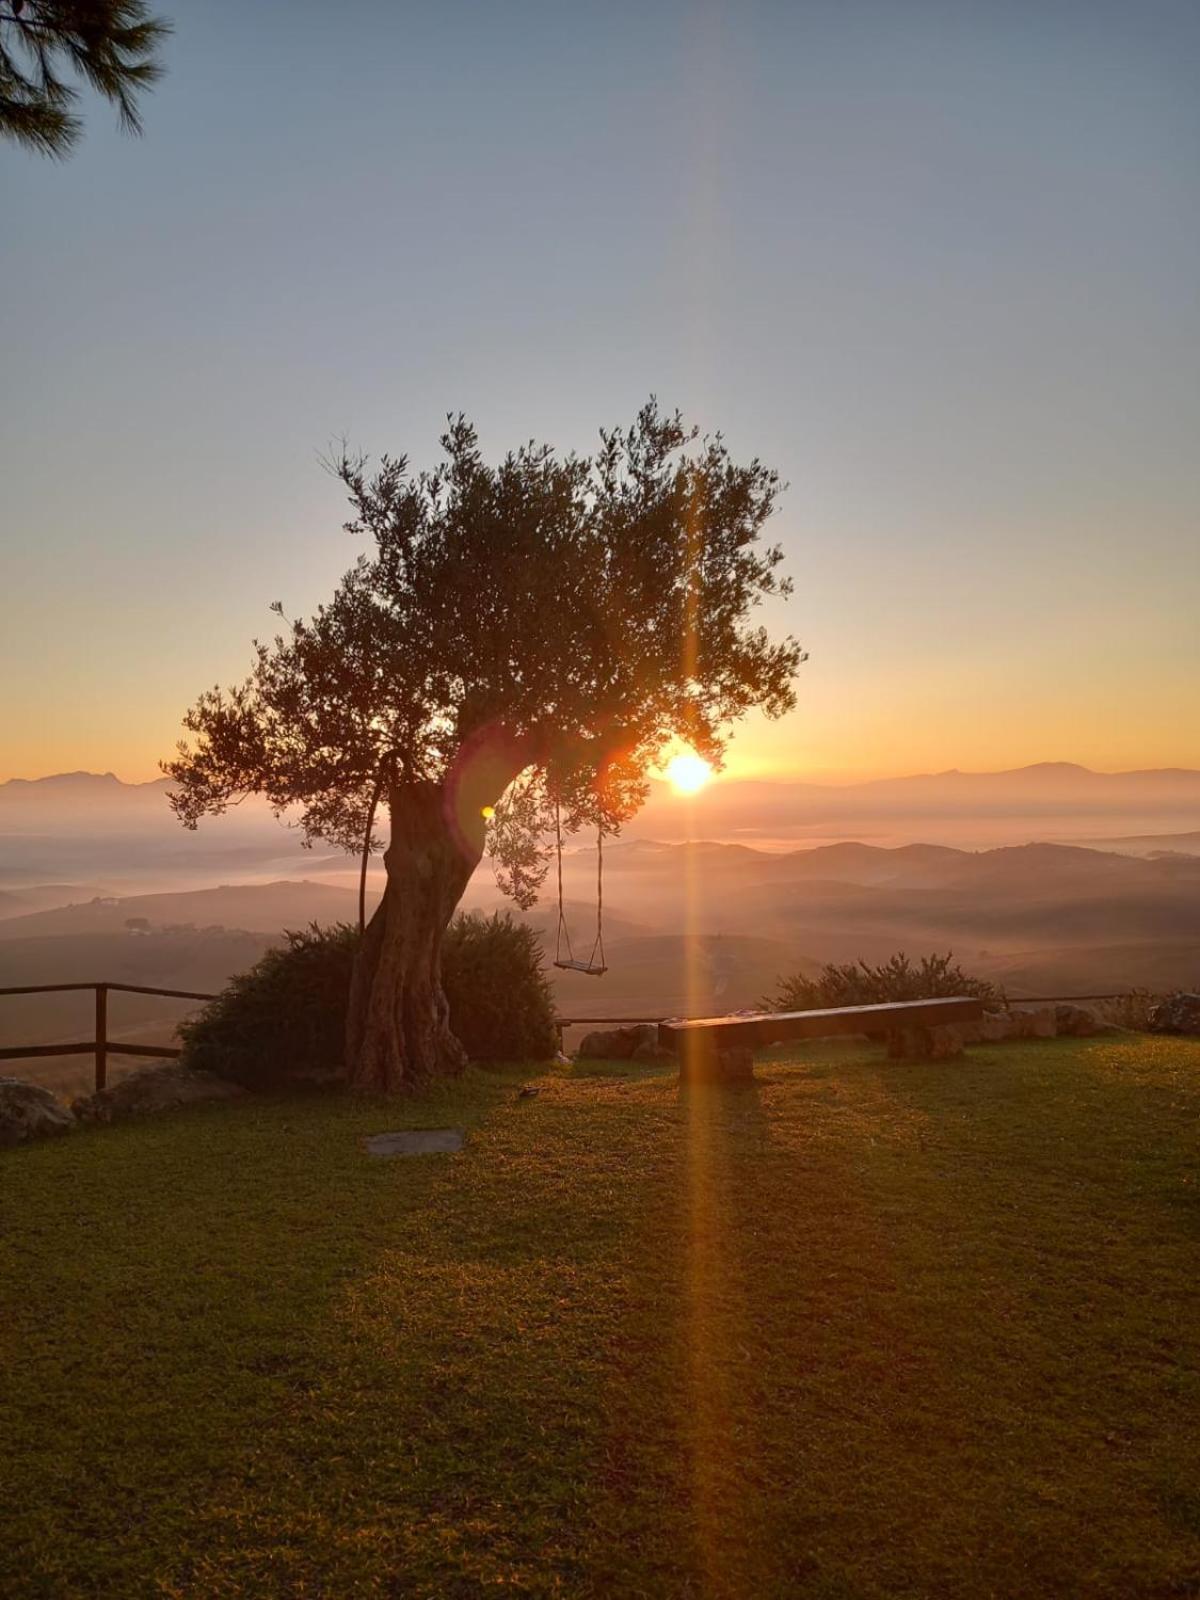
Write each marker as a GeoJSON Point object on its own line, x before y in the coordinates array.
{"type": "Point", "coordinates": [101, 1036]}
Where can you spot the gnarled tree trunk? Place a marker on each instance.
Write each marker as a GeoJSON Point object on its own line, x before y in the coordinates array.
{"type": "Point", "coordinates": [398, 1028]}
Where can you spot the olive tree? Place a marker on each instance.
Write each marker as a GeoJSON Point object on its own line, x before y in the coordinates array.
{"type": "Point", "coordinates": [517, 643]}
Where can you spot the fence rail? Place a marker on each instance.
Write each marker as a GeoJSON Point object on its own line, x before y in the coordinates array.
{"type": "Point", "coordinates": [101, 1047]}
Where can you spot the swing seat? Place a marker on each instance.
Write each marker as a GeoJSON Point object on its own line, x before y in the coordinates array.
{"type": "Point", "coordinates": [593, 971]}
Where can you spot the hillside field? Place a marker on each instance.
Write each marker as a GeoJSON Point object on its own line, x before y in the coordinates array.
{"type": "Point", "coordinates": [868, 1329]}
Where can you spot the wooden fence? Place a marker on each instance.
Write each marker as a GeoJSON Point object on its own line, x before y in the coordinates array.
{"type": "Point", "coordinates": [101, 1047]}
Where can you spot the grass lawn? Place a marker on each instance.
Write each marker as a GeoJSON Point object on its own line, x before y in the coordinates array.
{"type": "Point", "coordinates": [868, 1329]}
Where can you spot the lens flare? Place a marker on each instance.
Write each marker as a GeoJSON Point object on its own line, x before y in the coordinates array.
{"type": "Point", "coordinates": [688, 772]}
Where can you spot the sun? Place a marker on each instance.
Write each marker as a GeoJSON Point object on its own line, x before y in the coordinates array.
{"type": "Point", "coordinates": [688, 772]}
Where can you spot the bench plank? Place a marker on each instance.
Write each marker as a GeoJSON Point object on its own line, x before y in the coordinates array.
{"type": "Point", "coordinates": [772, 1027]}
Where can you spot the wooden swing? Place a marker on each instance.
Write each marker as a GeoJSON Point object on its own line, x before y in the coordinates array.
{"type": "Point", "coordinates": [594, 966]}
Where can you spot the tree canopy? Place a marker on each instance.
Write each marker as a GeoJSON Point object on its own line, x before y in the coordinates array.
{"type": "Point", "coordinates": [554, 619]}
{"type": "Point", "coordinates": [111, 44]}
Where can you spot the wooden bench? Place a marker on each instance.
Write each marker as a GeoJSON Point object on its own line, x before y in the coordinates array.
{"type": "Point", "coordinates": [722, 1048]}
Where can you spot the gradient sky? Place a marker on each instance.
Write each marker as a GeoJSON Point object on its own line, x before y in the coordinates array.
{"type": "Point", "coordinates": [938, 263]}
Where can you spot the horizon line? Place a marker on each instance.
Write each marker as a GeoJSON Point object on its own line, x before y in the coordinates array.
{"type": "Point", "coordinates": [723, 779]}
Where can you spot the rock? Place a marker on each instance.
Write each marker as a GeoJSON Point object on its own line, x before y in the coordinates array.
{"type": "Point", "coordinates": [155, 1089]}
{"type": "Point", "coordinates": [1039, 1024]}
{"type": "Point", "coordinates": [27, 1111]}
{"type": "Point", "coordinates": [936, 1043]}
{"type": "Point", "coordinates": [996, 1026]}
{"type": "Point", "coordinates": [1043, 1024]}
{"type": "Point", "coordinates": [1176, 1013]}
{"type": "Point", "coordinates": [617, 1044]}
{"type": "Point", "coordinates": [1075, 1022]}
{"type": "Point", "coordinates": [415, 1142]}
{"type": "Point", "coordinates": [992, 1025]}
{"type": "Point", "coordinates": [652, 1052]}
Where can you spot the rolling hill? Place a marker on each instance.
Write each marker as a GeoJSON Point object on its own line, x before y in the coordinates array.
{"type": "Point", "coordinates": [97, 880]}
{"type": "Point", "coordinates": [260, 907]}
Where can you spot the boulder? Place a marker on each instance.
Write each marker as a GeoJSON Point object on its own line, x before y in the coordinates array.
{"type": "Point", "coordinates": [996, 1026]}
{"type": "Point", "coordinates": [617, 1044]}
{"type": "Point", "coordinates": [652, 1052]}
{"type": "Point", "coordinates": [1075, 1022]}
{"type": "Point", "coordinates": [1176, 1013]}
{"type": "Point", "coordinates": [1039, 1024]}
{"type": "Point", "coordinates": [27, 1111]}
{"type": "Point", "coordinates": [154, 1089]}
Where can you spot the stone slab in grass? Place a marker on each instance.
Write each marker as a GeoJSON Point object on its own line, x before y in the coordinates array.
{"type": "Point", "coordinates": [415, 1142]}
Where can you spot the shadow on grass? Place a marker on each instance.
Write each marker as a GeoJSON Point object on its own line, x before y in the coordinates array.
{"type": "Point", "coordinates": [818, 1337]}
{"type": "Point", "coordinates": [1072, 1214]}
{"type": "Point", "coordinates": [634, 1071]}
{"type": "Point", "coordinates": [167, 1286]}
{"type": "Point", "coordinates": [870, 1352]}
{"type": "Point", "coordinates": [452, 1431]}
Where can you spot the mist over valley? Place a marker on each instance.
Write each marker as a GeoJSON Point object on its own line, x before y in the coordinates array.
{"type": "Point", "coordinates": [1048, 879]}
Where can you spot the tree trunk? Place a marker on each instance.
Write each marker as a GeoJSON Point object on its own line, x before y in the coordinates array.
{"type": "Point", "coordinates": [398, 1027]}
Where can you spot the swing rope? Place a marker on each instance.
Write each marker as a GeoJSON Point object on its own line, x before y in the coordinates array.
{"type": "Point", "coordinates": [598, 946]}
{"type": "Point", "coordinates": [595, 965]}
{"type": "Point", "coordinates": [563, 930]}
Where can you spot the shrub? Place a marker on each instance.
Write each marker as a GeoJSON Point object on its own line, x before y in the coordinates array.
{"type": "Point", "coordinates": [860, 984]}
{"type": "Point", "coordinates": [284, 1020]}
{"type": "Point", "coordinates": [1132, 1010]}
{"type": "Point", "coordinates": [501, 1003]}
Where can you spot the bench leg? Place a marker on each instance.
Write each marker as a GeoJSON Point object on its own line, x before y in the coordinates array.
{"type": "Point", "coordinates": [936, 1043]}
{"type": "Point", "coordinates": [701, 1062]}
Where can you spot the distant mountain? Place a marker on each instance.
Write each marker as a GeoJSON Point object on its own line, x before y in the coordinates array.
{"type": "Point", "coordinates": [1048, 791]}
{"type": "Point", "coordinates": [1040, 867]}
{"type": "Point", "coordinates": [1046, 904]}
{"type": "Point", "coordinates": [80, 792]}
{"type": "Point", "coordinates": [258, 908]}
{"type": "Point", "coordinates": [43, 896]}
{"type": "Point", "coordinates": [91, 826]}
{"type": "Point", "coordinates": [1049, 782]}
{"type": "Point", "coordinates": [981, 808]}
{"type": "Point", "coordinates": [1153, 843]}
{"type": "Point", "coordinates": [1040, 778]}
{"type": "Point", "coordinates": [80, 783]}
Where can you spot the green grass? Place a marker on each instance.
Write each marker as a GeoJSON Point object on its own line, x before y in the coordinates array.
{"type": "Point", "coordinates": [868, 1329]}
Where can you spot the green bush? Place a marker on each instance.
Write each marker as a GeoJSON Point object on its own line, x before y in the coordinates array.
{"type": "Point", "coordinates": [284, 1020]}
{"type": "Point", "coordinates": [501, 1003]}
{"type": "Point", "coordinates": [860, 984]}
{"type": "Point", "coordinates": [1132, 1010]}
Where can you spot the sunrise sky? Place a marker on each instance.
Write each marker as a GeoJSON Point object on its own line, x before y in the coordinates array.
{"type": "Point", "coordinates": [936, 262]}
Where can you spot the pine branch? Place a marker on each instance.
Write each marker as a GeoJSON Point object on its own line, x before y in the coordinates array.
{"type": "Point", "coordinates": [110, 44]}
